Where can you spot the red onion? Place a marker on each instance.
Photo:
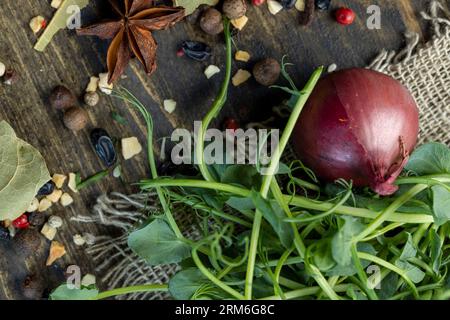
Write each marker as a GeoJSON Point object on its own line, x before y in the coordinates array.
{"type": "Point", "coordinates": [358, 125]}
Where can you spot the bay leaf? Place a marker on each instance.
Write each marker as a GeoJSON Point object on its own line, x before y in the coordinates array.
{"type": "Point", "coordinates": [22, 173]}
{"type": "Point", "coordinates": [190, 5]}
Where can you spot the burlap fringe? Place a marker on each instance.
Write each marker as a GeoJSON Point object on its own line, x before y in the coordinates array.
{"type": "Point", "coordinates": [119, 266]}
{"type": "Point", "coordinates": [438, 16]}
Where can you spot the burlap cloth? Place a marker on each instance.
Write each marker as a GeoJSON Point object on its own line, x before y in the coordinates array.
{"type": "Point", "coordinates": [424, 69]}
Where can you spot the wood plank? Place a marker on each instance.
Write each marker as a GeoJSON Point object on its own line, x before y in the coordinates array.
{"type": "Point", "coordinates": [70, 60]}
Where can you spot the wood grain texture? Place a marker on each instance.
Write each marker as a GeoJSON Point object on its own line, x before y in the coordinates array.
{"type": "Point", "coordinates": [71, 60]}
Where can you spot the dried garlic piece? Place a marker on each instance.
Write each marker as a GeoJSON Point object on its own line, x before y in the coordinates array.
{"type": "Point", "coordinates": [57, 250]}
{"type": "Point", "coordinates": [55, 222]}
{"type": "Point", "coordinates": [2, 69]}
{"type": "Point", "coordinates": [59, 180]}
{"type": "Point", "coordinates": [240, 77]}
{"type": "Point", "coordinates": [169, 105]}
{"type": "Point", "coordinates": [72, 184]}
{"type": "Point", "coordinates": [93, 84]}
{"type": "Point", "coordinates": [243, 56]}
{"type": "Point", "coordinates": [239, 23]}
{"type": "Point", "coordinates": [37, 24]}
{"type": "Point", "coordinates": [55, 195]}
{"type": "Point", "coordinates": [211, 70]}
{"type": "Point", "coordinates": [44, 205]}
{"type": "Point", "coordinates": [332, 68]}
{"type": "Point", "coordinates": [66, 200]}
{"type": "Point", "coordinates": [130, 147]}
{"type": "Point", "coordinates": [274, 6]}
{"type": "Point", "coordinates": [300, 5]}
{"type": "Point", "coordinates": [56, 4]}
{"type": "Point", "coordinates": [103, 84]}
{"type": "Point", "coordinates": [48, 231]}
{"type": "Point", "coordinates": [79, 240]}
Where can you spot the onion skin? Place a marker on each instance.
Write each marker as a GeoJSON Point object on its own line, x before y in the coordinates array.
{"type": "Point", "coordinates": [359, 125]}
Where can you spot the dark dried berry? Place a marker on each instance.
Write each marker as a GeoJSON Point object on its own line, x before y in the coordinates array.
{"type": "Point", "coordinates": [62, 98]}
{"type": "Point", "coordinates": [267, 71]}
{"type": "Point", "coordinates": [234, 9]}
{"type": "Point", "coordinates": [307, 16]}
{"type": "Point", "coordinates": [211, 21]}
{"type": "Point", "coordinates": [196, 50]}
{"type": "Point", "coordinates": [323, 4]}
{"type": "Point", "coordinates": [4, 234]}
{"type": "Point", "coordinates": [36, 219]}
{"type": "Point", "coordinates": [288, 4]}
{"type": "Point", "coordinates": [46, 189]}
{"type": "Point", "coordinates": [104, 146]}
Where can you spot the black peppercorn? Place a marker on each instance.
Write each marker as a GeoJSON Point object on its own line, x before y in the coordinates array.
{"type": "Point", "coordinates": [36, 219]}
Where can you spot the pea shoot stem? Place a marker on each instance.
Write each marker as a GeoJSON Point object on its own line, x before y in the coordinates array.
{"type": "Point", "coordinates": [273, 168]}
{"type": "Point", "coordinates": [298, 201]}
{"type": "Point", "coordinates": [92, 179]}
{"type": "Point", "coordinates": [213, 278]}
{"type": "Point", "coordinates": [386, 213]}
{"type": "Point", "coordinates": [131, 289]}
{"type": "Point", "coordinates": [390, 266]}
{"type": "Point", "coordinates": [126, 95]}
{"type": "Point", "coordinates": [216, 107]}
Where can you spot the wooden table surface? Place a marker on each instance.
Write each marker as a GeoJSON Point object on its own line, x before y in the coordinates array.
{"type": "Point", "coordinates": [71, 60]}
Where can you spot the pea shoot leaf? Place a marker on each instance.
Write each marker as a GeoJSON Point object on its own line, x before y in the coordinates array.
{"type": "Point", "coordinates": [435, 251]}
{"type": "Point", "coordinates": [63, 292]}
{"type": "Point", "coordinates": [388, 286]}
{"type": "Point", "coordinates": [322, 256]}
{"type": "Point", "coordinates": [22, 173]}
{"type": "Point", "coordinates": [342, 240]}
{"type": "Point", "coordinates": [243, 175]}
{"type": "Point", "coordinates": [441, 205]}
{"type": "Point", "coordinates": [430, 158]}
{"type": "Point", "coordinates": [185, 283]}
{"type": "Point", "coordinates": [350, 270]}
{"type": "Point", "coordinates": [156, 243]}
{"type": "Point", "coordinates": [275, 215]}
{"type": "Point", "coordinates": [409, 251]}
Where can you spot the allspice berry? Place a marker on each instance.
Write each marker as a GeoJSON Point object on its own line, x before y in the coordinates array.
{"type": "Point", "coordinates": [91, 98]}
{"type": "Point", "coordinates": [234, 9]}
{"type": "Point", "coordinates": [76, 118]}
{"type": "Point", "coordinates": [62, 98]}
{"type": "Point", "coordinates": [211, 21]}
{"type": "Point", "coordinates": [267, 71]}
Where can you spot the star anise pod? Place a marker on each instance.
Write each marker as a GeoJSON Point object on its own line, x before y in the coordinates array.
{"type": "Point", "coordinates": [132, 34]}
